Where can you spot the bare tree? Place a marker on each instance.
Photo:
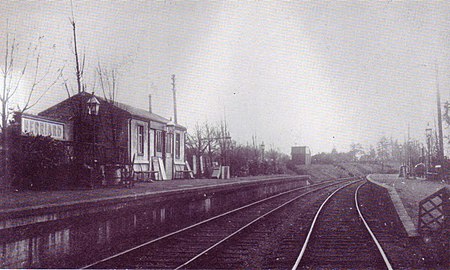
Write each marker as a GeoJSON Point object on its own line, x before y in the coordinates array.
{"type": "Point", "coordinates": [110, 126]}
{"type": "Point", "coordinates": [79, 133]}
{"type": "Point", "coordinates": [31, 98]}
{"type": "Point", "coordinates": [196, 144]}
{"type": "Point", "coordinates": [13, 72]}
{"type": "Point", "coordinates": [203, 142]}
{"type": "Point", "coordinates": [223, 137]}
{"type": "Point", "coordinates": [212, 142]}
{"type": "Point", "coordinates": [79, 63]}
{"type": "Point", "coordinates": [78, 66]}
{"type": "Point", "coordinates": [108, 82]}
{"type": "Point", "coordinates": [356, 151]}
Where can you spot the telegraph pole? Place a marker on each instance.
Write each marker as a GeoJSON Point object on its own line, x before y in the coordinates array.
{"type": "Point", "coordinates": [174, 100]}
{"type": "Point", "coordinates": [441, 137]}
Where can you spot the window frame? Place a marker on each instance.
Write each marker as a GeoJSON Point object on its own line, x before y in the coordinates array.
{"type": "Point", "coordinates": [140, 139]}
{"type": "Point", "coordinates": [158, 141]}
{"type": "Point", "coordinates": [169, 143]}
{"type": "Point", "coordinates": [177, 145]}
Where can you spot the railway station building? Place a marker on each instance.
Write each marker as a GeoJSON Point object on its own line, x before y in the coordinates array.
{"type": "Point", "coordinates": [110, 132]}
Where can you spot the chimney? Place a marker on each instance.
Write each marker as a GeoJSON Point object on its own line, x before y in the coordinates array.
{"type": "Point", "coordinates": [149, 103]}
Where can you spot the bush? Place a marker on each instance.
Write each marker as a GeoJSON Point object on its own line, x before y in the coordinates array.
{"type": "Point", "coordinates": [37, 162]}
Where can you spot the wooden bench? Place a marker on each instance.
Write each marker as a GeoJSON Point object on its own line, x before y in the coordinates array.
{"type": "Point", "coordinates": [180, 173]}
{"type": "Point", "coordinates": [146, 175]}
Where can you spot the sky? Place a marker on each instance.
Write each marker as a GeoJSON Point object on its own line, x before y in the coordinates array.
{"type": "Point", "coordinates": [322, 74]}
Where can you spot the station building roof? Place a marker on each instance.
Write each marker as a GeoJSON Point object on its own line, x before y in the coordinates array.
{"type": "Point", "coordinates": [62, 112]}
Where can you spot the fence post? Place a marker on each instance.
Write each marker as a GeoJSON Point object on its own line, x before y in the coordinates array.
{"type": "Point", "coordinates": [446, 210]}
{"type": "Point", "coordinates": [446, 224]}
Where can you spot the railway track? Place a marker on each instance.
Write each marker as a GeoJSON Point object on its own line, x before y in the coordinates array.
{"type": "Point", "coordinates": [271, 243]}
{"type": "Point", "coordinates": [274, 233]}
{"type": "Point", "coordinates": [182, 248]}
{"type": "Point", "coordinates": [340, 238]}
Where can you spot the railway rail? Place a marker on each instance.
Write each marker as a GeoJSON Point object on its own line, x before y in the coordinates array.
{"type": "Point", "coordinates": [339, 236]}
{"type": "Point", "coordinates": [182, 248]}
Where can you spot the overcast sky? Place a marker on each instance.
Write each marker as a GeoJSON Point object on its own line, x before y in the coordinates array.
{"type": "Point", "coordinates": [317, 74]}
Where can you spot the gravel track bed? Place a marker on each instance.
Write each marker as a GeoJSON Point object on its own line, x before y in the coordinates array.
{"type": "Point", "coordinates": [339, 239]}
{"type": "Point", "coordinates": [273, 243]}
{"type": "Point", "coordinates": [176, 250]}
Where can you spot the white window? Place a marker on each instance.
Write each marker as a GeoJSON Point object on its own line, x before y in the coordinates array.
{"type": "Point", "coordinates": [177, 146]}
{"type": "Point", "coordinates": [140, 140]}
{"type": "Point", "coordinates": [158, 141]}
{"type": "Point", "coordinates": [169, 143]}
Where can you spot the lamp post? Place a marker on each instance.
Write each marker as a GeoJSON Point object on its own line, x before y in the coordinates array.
{"type": "Point", "coordinates": [93, 107]}
{"type": "Point", "coordinates": [428, 133]}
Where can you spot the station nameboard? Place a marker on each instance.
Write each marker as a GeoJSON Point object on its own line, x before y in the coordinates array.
{"type": "Point", "coordinates": [35, 126]}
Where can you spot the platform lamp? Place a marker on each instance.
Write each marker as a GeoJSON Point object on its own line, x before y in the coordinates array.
{"type": "Point", "coordinates": [428, 133]}
{"type": "Point", "coordinates": [93, 107]}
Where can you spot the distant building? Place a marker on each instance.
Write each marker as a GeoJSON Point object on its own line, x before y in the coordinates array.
{"type": "Point", "coordinates": [301, 155]}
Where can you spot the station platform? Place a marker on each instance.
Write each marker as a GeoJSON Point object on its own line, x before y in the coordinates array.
{"type": "Point", "coordinates": [12, 202]}
{"type": "Point", "coordinates": [406, 195]}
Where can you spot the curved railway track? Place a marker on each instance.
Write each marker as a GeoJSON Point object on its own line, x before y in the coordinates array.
{"type": "Point", "coordinates": [272, 243]}
{"type": "Point", "coordinates": [181, 248]}
{"type": "Point", "coordinates": [340, 238]}
{"type": "Point", "coordinates": [275, 233]}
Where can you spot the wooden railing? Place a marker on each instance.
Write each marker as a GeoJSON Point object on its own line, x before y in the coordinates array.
{"type": "Point", "coordinates": [434, 212]}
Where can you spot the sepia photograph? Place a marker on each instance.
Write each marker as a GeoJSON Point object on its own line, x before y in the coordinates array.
{"type": "Point", "coordinates": [178, 134]}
